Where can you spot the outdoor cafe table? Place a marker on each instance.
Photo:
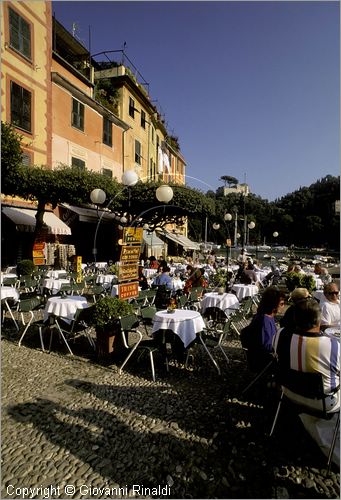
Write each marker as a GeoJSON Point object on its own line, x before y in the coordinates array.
{"type": "Point", "coordinates": [64, 307]}
{"type": "Point", "coordinates": [9, 292]}
{"type": "Point", "coordinates": [54, 284]}
{"type": "Point", "coordinates": [243, 291]}
{"type": "Point", "coordinates": [148, 273]}
{"type": "Point", "coordinates": [184, 323]}
{"type": "Point", "coordinates": [105, 279]}
{"type": "Point", "coordinates": [225, 301]}
{"type": "Point", "coordinates": [56, 274]}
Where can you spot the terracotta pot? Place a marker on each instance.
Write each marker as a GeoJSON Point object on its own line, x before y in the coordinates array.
{"type": "Point", "coordinates": [108, 341]}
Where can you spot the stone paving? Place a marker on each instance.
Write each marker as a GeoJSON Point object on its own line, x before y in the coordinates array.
{"type": "Point", "coordinates": [72, 428]}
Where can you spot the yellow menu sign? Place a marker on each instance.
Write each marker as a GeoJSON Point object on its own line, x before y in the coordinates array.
{"type": "Point", "coordinates": [132, 235]}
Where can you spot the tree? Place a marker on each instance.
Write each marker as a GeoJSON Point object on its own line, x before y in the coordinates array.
{"type": "Point", "coordinates": [11, 158]}
{"type": "Point", "coordinates": [228, 180]}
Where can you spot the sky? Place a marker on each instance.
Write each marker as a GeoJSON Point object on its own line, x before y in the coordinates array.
{"type": "Point", "coordinates": [250, 88]}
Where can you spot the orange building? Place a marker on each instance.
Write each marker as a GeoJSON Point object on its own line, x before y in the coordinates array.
{"type": "Point", "coordinates": [85, 134]}
{"type": "Point", "coordinates": [26, 29]}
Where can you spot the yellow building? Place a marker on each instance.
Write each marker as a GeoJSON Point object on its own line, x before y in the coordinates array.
{"type": "Point", "coordinates": [148, 149]}
{"type": "Point", "coordinates": [26, 29]}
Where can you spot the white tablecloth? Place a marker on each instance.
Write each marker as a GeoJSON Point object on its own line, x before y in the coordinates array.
{"type": "Point", "coordinates": [101, 265]}
{"type": "Point", "coordinates": [243, 291]}
{"type": "Point", "coordinates": [54, 284]}
{"type": "Point", "coordinates": [148, 273]}
{"type": "Point", "coordinates": [184, 323]}
{"type": "Point", "coordinates": [226, 302]}
{"type": "Point", "coordinates": [56, 274]}
{"type": "Point", "coordinates": [262, 273]}
{"type": "Point", "coordinates": [177, 284]}
{"type": "Point", "coordinates": [320, 296]}
{"type": "Point", "coordinates": [105, 279]}
{"type": "Point", "coordinates": [7, 292]}
{"type": "Point", "coordinates": [65, 307]}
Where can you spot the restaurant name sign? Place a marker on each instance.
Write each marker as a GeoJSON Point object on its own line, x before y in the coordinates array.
{"type": "Point", "coordinates": [129, 260]}
{"type": "Point", "coordinates": [132, 235]}
{"type": "Point", "coordinates": [128, 290]}
{"type": "Point", "coordinates": [128, 272]}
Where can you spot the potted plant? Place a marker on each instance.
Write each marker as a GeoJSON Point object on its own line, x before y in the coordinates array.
{"type": "Point", "coordinates": [106, 320]}
{"type": "Point", "coordinates": [25, 267]}
{"type": "Point", "coordinates": [219, 280]}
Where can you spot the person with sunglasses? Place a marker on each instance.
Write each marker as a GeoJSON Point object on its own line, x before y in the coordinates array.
{"type": "Point", "coordinates": [330, 308]}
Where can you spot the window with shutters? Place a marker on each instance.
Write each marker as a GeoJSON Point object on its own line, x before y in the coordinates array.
{"type": "Point", "coordinates": [138, 157]}
{"type": "Point", "coordinates": [107, 132]}
{"type": "Point", "coordinates": [19, 34]}
{"type": "Point", "coordinates": [131, 107]}
{"type": "Point", "coordinates": [77, 115]}
{"type": "Point", "coordinates": [143, 119]}
{"type": "Point", "coordinates": [20, 107]}
{"type": "Point", "coordinates": [26, 159]}
{"type": "Point", "coordinates": [77, 163]}
{"type": "Point", "coordinates": [107, 172]}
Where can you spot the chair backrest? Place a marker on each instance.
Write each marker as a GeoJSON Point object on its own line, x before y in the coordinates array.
{"type": "Point", "coordinates": [182, 301]}
{"type": "Point", "coordinates": [148, 312]}
{"type": "Point", "coordinates": [129, 322]}
{"type": "Point", "coordinates": [309, 385]}
{"type": "Point", "coordinates": [9, 281]}
{"type": "Point", "coordinates": [27, 305]}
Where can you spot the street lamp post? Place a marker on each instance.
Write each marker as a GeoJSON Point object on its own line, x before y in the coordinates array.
{"type": "Point", "coordinates": [98, 197]}
{"type": "Point", "coordinates": [275, 235]}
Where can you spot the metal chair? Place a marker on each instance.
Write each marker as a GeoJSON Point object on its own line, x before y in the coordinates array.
{"type": "Point", "coordinates": [79, 325]}
{"type": "Point", "coordinates": [212, 337]}
{"type": "Point", "coordinates": [146, 315]}
{"type": "Point", "coordinates": [308, 385]}
{"type": "Point", "coordinates": [29, 306]}
{"type": "Point", "coordinates": [157, 344]}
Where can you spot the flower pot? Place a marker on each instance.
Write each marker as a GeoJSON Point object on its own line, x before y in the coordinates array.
{"type": "Point", "coordinates": [108, 341]}
{"type": "Point", "coordinates": [220, 290]}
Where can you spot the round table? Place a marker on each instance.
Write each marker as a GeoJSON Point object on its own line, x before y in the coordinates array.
{"type": "Point", "coordinates": [184, 323]}
{"type": "Point", "coordinates": [148, 273]}
{"type": "Point", "coordinates": [105, 279]}
{"type": "Point", "coordinates": [64, 307]}
{"type": "Point", "coordinates": [243, 291]}
{"type": "Point", "coordinates": [9, 292]}
{"type": "Point", "coordinates": [226, 301]}
{"type": "Point", "coordinates": [56, 274]}
{"type": "Point", "coordinates": [54, 284]}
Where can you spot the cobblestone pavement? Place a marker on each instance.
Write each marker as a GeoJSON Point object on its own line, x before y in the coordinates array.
{"type": "Point", "coordinates": [72, 428]}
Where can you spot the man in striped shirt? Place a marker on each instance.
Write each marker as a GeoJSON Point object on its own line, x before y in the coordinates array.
{"type": "Point", "coordinates": [306, 349]}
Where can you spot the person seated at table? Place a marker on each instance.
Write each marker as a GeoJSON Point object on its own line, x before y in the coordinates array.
{"type": "Point", "coordinates": [164, 279]}
{"type": "Point", "coordinates": [143, 282]}
{"type": "Point", "coordinates": [322, 273]}
{"type": "Point", "coordinates": [162, 265]}
{"type": "Point", "coordinates": [262, 329]}
{"type": "Point", "coordinates": [195, 280]}
{"type": "Point", "coordinates": [307, 349]}
{"type": "Point", "coordinates": [153, 263]}
{"type": "Point", "coordinates": [296, 296]}
{"type": "Point", "coordinates": [330, 308]}
{"type": "Point", "coordinates": [249, 271]}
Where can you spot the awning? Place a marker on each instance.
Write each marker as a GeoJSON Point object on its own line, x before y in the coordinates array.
{"type": "Point", "coordinates": [179, 239]}
{"type": "Point", "coordinates": [152, 240]}
{"type": "Point", "coordinates": [88, 214]}
{"type": "Point", "coordinates": [24, 219]}
{"type": "Point", "coordinates": [187, 243]}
